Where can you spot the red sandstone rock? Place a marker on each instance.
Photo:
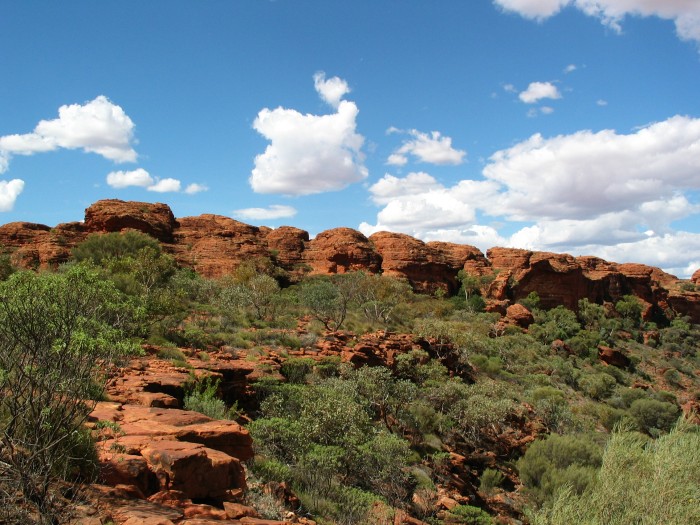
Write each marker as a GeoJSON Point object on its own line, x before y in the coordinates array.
{"type": "Point", "coordinates": [214, 245]}
{"type": "Point", "coordinates": [113, 215]}
{"type": "Point", "coordinates": [613, 356]}
{"type": "Point", "coordinates": [341, 250]}
{"type": "Point", "coordinates": [519, 315]}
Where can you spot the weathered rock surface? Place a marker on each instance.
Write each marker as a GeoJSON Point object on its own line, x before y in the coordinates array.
{"type": "Point", "coordinates": [341, 250]}
{"type": "Point", "coordinates": [113, 215]}
{"type": "Point", "coordinates": [214, 245]}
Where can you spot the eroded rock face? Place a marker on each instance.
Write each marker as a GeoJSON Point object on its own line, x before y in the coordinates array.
{"type": "Point", "coordinates": [38, 246]}
{"type": "Point", "coordinates": [214, 245]}
{"type": "Point", "coordinates": [113, 215]}
{"type": "Point", "coordinates": [341, 250]}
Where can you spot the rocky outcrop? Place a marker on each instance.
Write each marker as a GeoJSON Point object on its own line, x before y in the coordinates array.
{"type": "Point", "coordinates": [113, 215]}
{"type": "Point", "coordinates": [215, 245]}
{"type": "Point", "coordinates": [341, 250]}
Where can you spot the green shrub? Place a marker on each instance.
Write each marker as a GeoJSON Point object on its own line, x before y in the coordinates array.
{"type": "Point", "coordinates": [296, 369]}
{"type": "Point", "coordinates": [490, 479]}
{"type": "Point", "coordinates": [557, 461]}
{"type": "Point", "coordinates": [468, 515]}
{"type": "Point", "coordinates": [202, 398]}
{"type": "Point", "coordinates": [58, 335]}
{"type": "Point", "coordinates": [641, 481]}
{"type": "Point", "coordinates": [653, 416]}
{"type": "Point", "coordinates": [597, 386]}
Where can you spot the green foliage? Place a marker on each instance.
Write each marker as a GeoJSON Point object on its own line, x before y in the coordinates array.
{"type": "Point", "coordinates": [296, 369]}
{"type": "Point", "coordinates": [58, 334]}
{"type": "Point", "coordinates": [100, 248]}
{"type": "Point", "coordinates": [653, 416]}
{"type": "Point", "coordinates": [468, 515]}
{"type": "Point", "coordinates": [324, 302]}
{"type": "Point", "coordinates": [6, 266]}
{"type": "Point", "coordinates": [490, 479]}
{"type": "Point", "coordinates": [557, 323]}
{"type": "Point", "coordinates": [202, 397]}
{"type": "Point", "coordinates": [597, 385]}
{"type": "Point", "coordinates": [630, 309]}
{"type": "Point", "coordinates": [641, 481]}
{"type": "Point", "coordinates": [531, 302]}
{"type": "Point", "coordinates": [558, 461]}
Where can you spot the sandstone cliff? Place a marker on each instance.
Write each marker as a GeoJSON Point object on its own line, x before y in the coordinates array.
{"type": "Point", "coordinates": [214, 245]}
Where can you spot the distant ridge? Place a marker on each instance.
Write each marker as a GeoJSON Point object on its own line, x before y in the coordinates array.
{"type": "Point", "coordinates": [214, 245]}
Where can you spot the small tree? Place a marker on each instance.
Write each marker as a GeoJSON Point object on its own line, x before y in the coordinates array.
{"type": "Point", "coordinates": [58, 333]}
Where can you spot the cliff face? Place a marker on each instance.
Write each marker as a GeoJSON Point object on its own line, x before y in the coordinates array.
{"type": "Point", "coordinates": [214, 245]}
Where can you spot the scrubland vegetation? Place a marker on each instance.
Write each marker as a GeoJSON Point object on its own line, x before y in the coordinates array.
{"type": "Point", "coordinates": [610, 445]}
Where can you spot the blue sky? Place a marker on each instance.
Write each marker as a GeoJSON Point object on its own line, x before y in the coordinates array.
{"type": "Point", "coordinates": [559, 125]}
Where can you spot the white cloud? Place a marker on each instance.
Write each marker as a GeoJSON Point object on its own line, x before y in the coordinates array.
{"type": "Point", "coordinates": [603, 193]}
{"type": "Point", "coordinates": [586, 174]}
{"type": "Point", "coordinates": [537, 91]}
{"type": "Point", "coordinates": [9, 191]}
{"type": "Point", "coordinates": [570, 68]}
{"type": "Point", "coordinates": [165, 186]}
{"type": "Point", "coordinates": [684, 13]}
{"type": "Point", "coordinates": [537, 9]}
{"type": "Point", "coordinates": [546, 110]}
{"type": "Point", "coordinates": [193, 188]}
{"type": "Point", "coordinates": [308, 153]}
{"type": "Point", "coordinates": [390, 187]}
{"type": "Point", "coordinates": [431, 148]}
{"type": "Point", "coordinates": [98, 126]}
{"type": "Point", "coordinates": [331, 90]}
{"type": "Point", "coordinates": [275, 211]}
{"type": "Point", "coordinates": [140, 178]}
{"type": "Point", "coordinates": [602, 103]}
{"type": "Point", "coordinates": [123, 179]}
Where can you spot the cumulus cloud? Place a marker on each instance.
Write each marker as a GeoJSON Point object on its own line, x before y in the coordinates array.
{"type": "Point", "coordinates": [123, 179]}
{"type": "Point", "coordinates": [605, 193]}
{"type": "Point", "coordinates": [98, 126]}
{"type": "Point", "coordinates": [587, 173]}
{"type": "Point", "coordinates": [165, 186]}
{"type": "Point", "coordinates": [537, 91]}
{"type": "Point", "coordinates": [193, 188]}
{"type": "Point", "coordinates": [275, 211]}
{"type": "Point", "coordinates": [9, 191]}
{"type": "Point", "coordinates": [684, 13]}
{"type": "Point", "coordinates": [142, 179]}
{"type": "Point", "coordinates": [308, 153]}
{"type": "Point", "coordinates": [331, 90]}
{"type": "Point", "coordinates": [431, 148]}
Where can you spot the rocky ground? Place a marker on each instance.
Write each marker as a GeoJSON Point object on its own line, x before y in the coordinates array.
{"type": "Point", "coordinates": [163, 465]}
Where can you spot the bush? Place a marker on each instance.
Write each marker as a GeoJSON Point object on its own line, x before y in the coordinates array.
{"type": "Point", "coordinates": [468, 515]}
{"type": "Point", "coordinates": [58, 334]}
{"type": "Point", "coordinates": [490, 479]}
{"type": "Point", "coordinates": [558, 461]}
{"type": "Point", "coordinates": [653, 416]}
{"type": "Point", "coordinates": [296, 369]}
{"type": "Point", "coordinates": [654, 483]}
{"type": "Point", "coordinates": [202, 398]}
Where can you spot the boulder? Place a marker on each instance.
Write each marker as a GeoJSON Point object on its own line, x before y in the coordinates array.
{"type": "Point", "coordinates": [113, 215]}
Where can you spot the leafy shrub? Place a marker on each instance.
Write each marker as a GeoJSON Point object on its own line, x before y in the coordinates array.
{"type": "Point", "coordinates": [296, 369]}
{"type": "Point", "coordinates": [58, 334]}
{"type": "Point", "coordinates": [653, 416]}
{"type": "Point", "coordinates": [557, 461]}
{"type": "Point", "coordinates": [490, 479]}
{"type": "Point", "coordinates": [202, 398]}
{"type": "Point", "coordinates": [641, 481]}
{"type": "Point", "coordinates": [99, 248]}
{"type": "Point", "coordinates": [468, 515]}
{"type": "Point", "coordinates": [597, 386]}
